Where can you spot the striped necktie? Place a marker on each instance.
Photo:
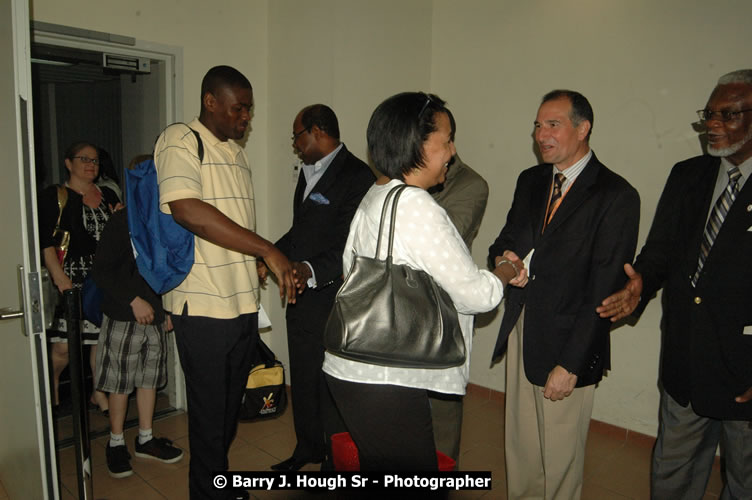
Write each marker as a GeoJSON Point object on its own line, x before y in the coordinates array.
{"type": "Point", "coordinates": [717, 216]}
{"type": "Point", "coordinates": [555, 195]}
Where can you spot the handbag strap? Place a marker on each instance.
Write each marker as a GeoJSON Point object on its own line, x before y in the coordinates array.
{"type": "Point", "coordinates": [62, 200]}
{"type": "Point", "coordinates": [265, 355]}
{"type": "Point", "coordinates": [395, 192]}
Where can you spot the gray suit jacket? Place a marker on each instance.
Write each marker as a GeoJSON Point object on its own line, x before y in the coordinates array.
{"type": "Point", "coordinates": [464, 195]}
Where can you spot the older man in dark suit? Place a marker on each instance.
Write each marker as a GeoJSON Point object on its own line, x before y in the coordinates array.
{"type": "Point", "coordinates": [329, 190]}
{"type": "Point", "coordinates": [698, 250]}
{"type": "Point", "coordinates": [571, 222]}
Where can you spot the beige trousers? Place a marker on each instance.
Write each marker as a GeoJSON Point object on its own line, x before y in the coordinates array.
{"type": "Point", "coordinates": [544, 440]}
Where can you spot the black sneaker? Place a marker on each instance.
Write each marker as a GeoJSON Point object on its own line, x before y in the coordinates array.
{"type": "Point", "coordinates": [118, 461]}
{"type": "Point", "coordinates": [159, 449]}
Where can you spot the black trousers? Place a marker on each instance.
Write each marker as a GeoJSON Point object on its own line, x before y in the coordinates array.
{"type": "Point", "coordinates": [390, 424]}
{"type": "Point", "coordinates": [216, 357]}
{"type": "Point", "coordinates": [310, 395]}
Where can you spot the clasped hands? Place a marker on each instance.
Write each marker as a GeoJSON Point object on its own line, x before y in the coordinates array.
{"type": "Point", "coordinates": [518, 274]}
{"type": "Point", "coordinates": [300, 270]}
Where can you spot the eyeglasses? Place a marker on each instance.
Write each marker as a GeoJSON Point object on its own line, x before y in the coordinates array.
{"type": "Point", "coordinates": [86, 159]}
{"type": "Point", "coordinates": [295, 135]}
{"type": "Point", "coordinates": [725, 116]}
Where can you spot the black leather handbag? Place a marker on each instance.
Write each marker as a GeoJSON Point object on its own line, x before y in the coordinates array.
{"type": "Point", "coordinates": [392, 315]}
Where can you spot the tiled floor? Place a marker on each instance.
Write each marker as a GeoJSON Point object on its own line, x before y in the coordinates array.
{"type": "Point", "coordinates": [616, 466]}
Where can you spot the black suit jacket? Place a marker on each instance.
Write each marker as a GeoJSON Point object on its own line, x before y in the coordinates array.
{"type": "Point", "coordinates": [578, 261]}
{"type": "Point", "coordinates": [705, 358]}
{"type": "Point", "coordinates": [319, 231]}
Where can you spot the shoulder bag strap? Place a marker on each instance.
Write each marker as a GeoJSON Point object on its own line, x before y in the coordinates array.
{"type": "Point", "coordinates": [383, 218]}
{"type": "Point", "coordinates": [400, 190]}
{"type": "Point", "coordinates": [62, 200]}
{"type": "Point", "coordinates": [200, 150]}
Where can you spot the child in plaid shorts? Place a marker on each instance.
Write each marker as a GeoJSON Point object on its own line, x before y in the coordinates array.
{"type": "Point", "coordinates": [132, 350]}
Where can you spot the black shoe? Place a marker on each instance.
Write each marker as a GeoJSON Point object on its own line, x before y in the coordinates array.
{"type": "Point", "coordinates": [118, 461]}
{"type": "Point", "coordinates": [293, 464]}
{"type": "Point", "coordinates": [159, 449]}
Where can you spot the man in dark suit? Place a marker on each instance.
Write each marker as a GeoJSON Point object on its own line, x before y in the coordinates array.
{"type": "Point", "coordinates": [698, 250]}
{"type": "Point", "coordinates": [330, 187]}
{"type": "Point", "coordinates": [464, 195]}
{"type": "Point", "coordinates": [571, 222]}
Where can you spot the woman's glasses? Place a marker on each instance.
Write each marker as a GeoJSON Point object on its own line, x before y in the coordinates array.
{"type": "Point", "coordinates": [86, 159]}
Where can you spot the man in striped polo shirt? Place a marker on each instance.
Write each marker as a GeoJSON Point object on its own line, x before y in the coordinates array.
{"type": "Point", "coordinates": [214, 311]}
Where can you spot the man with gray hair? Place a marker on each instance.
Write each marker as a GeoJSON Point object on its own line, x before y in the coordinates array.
{"type": "Point", "coordinates": [698, 250]}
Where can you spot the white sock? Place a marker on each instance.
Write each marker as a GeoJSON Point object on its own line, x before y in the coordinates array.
{"type": "Point", "coordinates": [144, 435]}
{"type": "Point", "coordinates": [116, 440]}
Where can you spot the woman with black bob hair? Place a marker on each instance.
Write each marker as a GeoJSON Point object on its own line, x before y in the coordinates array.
{"type": "Point", "coordinates": [386, 409]}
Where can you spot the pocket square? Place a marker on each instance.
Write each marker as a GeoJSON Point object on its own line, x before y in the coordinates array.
{"type": "Point", "coordinates": [747, 330]}
{"type": "Point", "coordinates": [749, 229]}
{"type": "Point", "coordinates": [319, 198]}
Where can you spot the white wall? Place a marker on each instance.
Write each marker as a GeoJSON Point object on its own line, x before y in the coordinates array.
{"type": "Point", "coordinates": [645, 66]}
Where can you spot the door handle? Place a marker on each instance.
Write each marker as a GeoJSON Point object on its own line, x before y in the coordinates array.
{"type": "Point", "coordinates": [10, 313]}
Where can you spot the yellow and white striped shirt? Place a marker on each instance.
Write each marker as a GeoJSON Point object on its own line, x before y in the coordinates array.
{"type": "Point", "coordinates": [222, 284]}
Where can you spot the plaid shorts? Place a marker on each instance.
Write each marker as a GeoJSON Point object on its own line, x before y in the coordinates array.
{"type": "Point", "coordinates": [130, 355]}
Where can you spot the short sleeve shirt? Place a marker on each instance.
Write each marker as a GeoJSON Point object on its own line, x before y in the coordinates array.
{"type": "Point", "coordinates": [222, 284]}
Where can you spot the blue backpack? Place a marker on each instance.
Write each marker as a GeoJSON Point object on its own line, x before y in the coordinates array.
{"type": "Point", "coordinates": [163, 248]}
